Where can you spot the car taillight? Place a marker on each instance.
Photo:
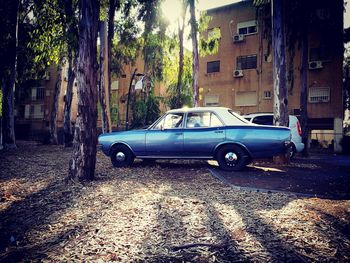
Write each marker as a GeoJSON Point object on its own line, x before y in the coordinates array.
{"type": "Point", "coordinates": [299, 128]}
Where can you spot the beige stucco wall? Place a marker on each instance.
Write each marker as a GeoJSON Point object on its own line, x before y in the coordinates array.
{"type": "Point", "coordinates": [260, 79]}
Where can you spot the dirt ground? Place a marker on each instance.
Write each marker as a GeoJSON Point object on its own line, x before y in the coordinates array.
{"type": "Point", "coordinates": [168, 212]}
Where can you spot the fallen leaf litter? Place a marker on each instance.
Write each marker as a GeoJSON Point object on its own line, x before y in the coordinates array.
{"type": "Point", "coordinates": [170, 211]}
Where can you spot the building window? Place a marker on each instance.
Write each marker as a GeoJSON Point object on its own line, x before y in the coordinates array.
{"type": "Point", "coordinates": [40, 93]}
{"type": "Point", "coordinates": [213, 66]}
{"type": "Point", "coordinates": [211, 100]}
{"type": "Point", "coordinates": [38, 111]}
{"type": "Point", "coordinates": [246, 62]}
{"type": "Point", "coordinates": [319, 94]}
{"type": "Point", "coordinates": [267, 95]}
{"type": "Point", "coordinates": [320, 53]}
{"type": "Point", "coordinates": [115, 85]}
{"type": "Point", "coordinates": [247, 27]}
{"type": "Point", "coordinates": [245, 98]}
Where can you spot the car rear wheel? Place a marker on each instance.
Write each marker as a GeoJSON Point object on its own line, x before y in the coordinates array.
{"type": "Point", "coordinates": [232, 158]}
{"type": "Point", "coordinates": [121, 156]}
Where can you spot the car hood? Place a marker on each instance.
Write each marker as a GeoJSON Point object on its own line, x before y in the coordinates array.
{"type": "Point", "coordinates": [121, 133]}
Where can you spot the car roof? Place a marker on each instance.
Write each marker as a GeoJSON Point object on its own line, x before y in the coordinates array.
{"type": "Point", "coordinates": [185, 109]}
{"type": "Point", "coordinates": [252, 115]}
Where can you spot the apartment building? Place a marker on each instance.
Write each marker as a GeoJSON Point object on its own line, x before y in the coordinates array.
{"type": "Point", "coordinates": [240, 75]}
{"type": "Point", "coordinates": [34, 104]}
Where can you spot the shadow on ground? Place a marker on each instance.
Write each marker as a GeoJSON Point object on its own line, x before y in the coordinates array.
{"type": "Point", "coordinates": [324, 176]}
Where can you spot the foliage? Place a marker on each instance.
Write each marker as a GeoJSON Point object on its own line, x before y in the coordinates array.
{"type": "Point", "coordinates": [153, 36]}
{"type": "Point", "coordinates": [145, 112]}
{"type": "Point", "coordinates": [153, 111]}
{"type": "Point", "coordinates": [154, 56]}
{"type": "Point", "coordinates": [210, 44]}
{"type": "Point", "coordinates": [47, 36]}
{"type": "Point", "coordinates": [139, 112]}
{"type": "Point", "coordinates": [171, 69]}
{"type": "Point", "coordinates": [126, 43]}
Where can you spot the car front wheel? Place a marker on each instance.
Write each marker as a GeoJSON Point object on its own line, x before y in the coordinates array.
{"type": "Point", "coordinates": [232, 158]}
{"type": "Point", "coordinates": [121, 156]}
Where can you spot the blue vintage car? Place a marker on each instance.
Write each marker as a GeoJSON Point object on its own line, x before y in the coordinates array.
{"type": "Point", "coordinates": [197, 133]}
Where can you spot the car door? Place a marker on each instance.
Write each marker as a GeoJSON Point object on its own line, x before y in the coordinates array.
{"type": "Point", "coordinates": [166, 138]}
{"type": "Point", "coordinates": [203, 132]}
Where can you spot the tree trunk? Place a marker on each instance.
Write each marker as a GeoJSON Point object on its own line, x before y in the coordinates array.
{"type": "Point", "coordinates": [1, 147]}
{"type": "Point", "coordinates": [8, 74]}
{"type": "Point", "coordinates": [54, 109]}
{"type": "Point", "coordinates": [67, 129]}
{"type": "Point", "coordinates": [195, 63]}
{"type": "Point", "coordinates": [280, 107]}
{"type": "Point", "coordinates": [105, 113]}
{"type": "Point", "coordinates": [111, 13]}
{"type": "Point", "coordinates": [83, 162]}
{"type": "Point", "coordinates": [304, 92]}
{"type": "Point", "coordinates": [178, 103]}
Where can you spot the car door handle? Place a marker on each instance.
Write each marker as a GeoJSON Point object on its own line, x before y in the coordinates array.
{"type": "Point", "coordinates": [219, 131]}
{"type": "Point", "coordinates": [178, 133]}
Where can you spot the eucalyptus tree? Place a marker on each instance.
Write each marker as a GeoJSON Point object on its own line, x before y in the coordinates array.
{"type": "Point", "coordinates": [112, 8]}
{"type": "Point", "coordinates": [153, 36]}
{"type": "Point", "coordinates": [103, 71]}
{"type": "Point", "coordinates": [83, 161]}
{"type": "Point", "coordinates": [181, 29]}
{"type": "Point", "coordinates": [195, 54]}
{"type": "Point", "coordinates": [278, 35]}
{"type": "Point", "coordinates": [8, 45]}
{"type": "Point", "coordinates": [70, 22]}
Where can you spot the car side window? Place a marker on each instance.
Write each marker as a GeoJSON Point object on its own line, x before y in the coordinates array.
{"type": "Point", "coordinates": [202, 120]}
{"type": "Point", "coordinates": [170, 121]}
{"type": "Point", "coordinates": [215, 121]}
{"type": "Point", "coordinates": [263, 120]}
{"type": "Point", "coordinates": [198, 119]}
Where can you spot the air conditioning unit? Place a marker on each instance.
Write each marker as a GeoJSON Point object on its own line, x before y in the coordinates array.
{"type": "Point", "coordinates": [238, 73]}
{"type": "Point", "coordinates": [315, 65]}
{"type": "Point", "coordinates": [238, 38]}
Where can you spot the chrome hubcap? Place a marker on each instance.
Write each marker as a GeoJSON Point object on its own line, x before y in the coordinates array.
{"type": "Point", "coordinates": [120, 156]}
{"type": "Point", "coordinates": [231, 158]}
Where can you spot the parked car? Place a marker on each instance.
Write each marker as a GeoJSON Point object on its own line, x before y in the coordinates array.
{"type": "Point", "coordinates": [197, 133]}
{"type": "Point", "coordinates": [294, 125]}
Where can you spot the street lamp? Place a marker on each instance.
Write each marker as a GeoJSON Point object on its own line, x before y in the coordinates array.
{"type": "Point", "coordinates": [128, 101]}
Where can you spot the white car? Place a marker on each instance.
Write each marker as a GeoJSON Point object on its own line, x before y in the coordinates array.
{"type": "Point", "coordinates": [294, 125]}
